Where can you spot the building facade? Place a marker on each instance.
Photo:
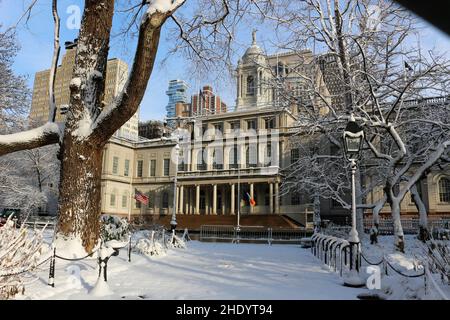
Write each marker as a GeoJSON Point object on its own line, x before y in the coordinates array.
{"type": "Point", "coordinates": [116, 76]}
{"type": "Point", "coordinates": [206, 102]}
{"type": "Point", "coordinates": [227, 158]}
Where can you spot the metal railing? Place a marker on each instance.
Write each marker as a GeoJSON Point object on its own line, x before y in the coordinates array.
{"type": "Point", "coordinates": [410, 226]}
{"type": "Point", "coordinates": [251, 233]}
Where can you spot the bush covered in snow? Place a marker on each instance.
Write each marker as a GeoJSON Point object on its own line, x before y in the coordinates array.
{"type": "Point", "coordinates": [20, 252]}
{"type": "Point", "coordinates": [153, 245]}
{"type": "Point", "coordinates": [114, 228]}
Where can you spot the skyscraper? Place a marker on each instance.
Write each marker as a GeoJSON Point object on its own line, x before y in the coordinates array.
{"type": "Point", "coordinates": [177, 92]}
{"type": "Point", "coordinates": [116, 76]}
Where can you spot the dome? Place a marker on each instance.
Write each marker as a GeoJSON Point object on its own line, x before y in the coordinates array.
{"type": "Point", "coordinates": [253, 51]}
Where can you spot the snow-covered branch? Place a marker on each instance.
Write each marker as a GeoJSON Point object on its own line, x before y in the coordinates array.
{"type": "Point", "coordinates": [34, 138]}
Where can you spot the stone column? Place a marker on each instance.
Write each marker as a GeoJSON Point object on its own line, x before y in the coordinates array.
{"type": "Point", "coordinates": [232, 200]}
{"type": "Point", "coordinates": [277, 199]}
{"type": "Point", "coordinates": [214, 207]}
{"type": "Point", "coordinates": [180, 206]}
{"type": "Point", "coordinates": [271, 197]}
{"type": "Point", "coordinates": [222, 196]}
{"type": "Point", "coordinates": [197, 199]}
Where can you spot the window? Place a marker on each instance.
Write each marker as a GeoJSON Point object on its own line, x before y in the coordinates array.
{"type": "Point", "coordinates": [251, 124]}
{"type": "Point", "coordinates": [250, 86]}
{"type": "Point", "coordinates": [138, 204]}
{"type": "Point", "coordinates": [166, 167]}
{"type": "Point", "coordinates": [124, 201]}
{"type": "Point", "coordinates": [140, 165]}
{"type": "Point", "coordinates": [251, 156]}
{"type": "Point", "coordinates": [127, 168]}
{"type": "Point", "coordinates": [270, 123]}
{"type": "Point", "coordinates": [218, 128]}
{"type": "Point", "coordinates": [115, 165]}
{"type": "Point", "coordinates": [218, 158]}
{"type": "Point", "coordinates": [444, 190]}
{"type": "Point", "coordinates": [233, 158]}
{"type": "Point", "coordinates": [112, 200]}
{"type": "Point", "coordinates": [152, 168]}
{"type": "Point", "coordinates": [295, 155]}
{"type": "Point", "coordinates": [235, 125]}
{"type": "Point", "coordinates": [201, 155]}
{"type": "Point", "coordinates": [165, 200]}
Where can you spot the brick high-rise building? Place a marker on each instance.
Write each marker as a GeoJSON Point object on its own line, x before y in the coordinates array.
{"type": "Point", "coordinates": [116, 76]}
{"type": "Point", "coordinates": [206, 102]}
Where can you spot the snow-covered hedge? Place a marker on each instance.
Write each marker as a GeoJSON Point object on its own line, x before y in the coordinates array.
{"type": "Point", "coordinates": [21, 251]}
{"type": "Point", "coordinates": [114, 228]}
{"type": "Point", "coordinates": [153, 245]}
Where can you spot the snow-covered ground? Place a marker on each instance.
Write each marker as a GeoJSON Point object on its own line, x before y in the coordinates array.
{"type": "Point", "coordinates": [202, 271]}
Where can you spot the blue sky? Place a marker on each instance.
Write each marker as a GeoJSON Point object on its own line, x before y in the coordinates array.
{"type": "Point", "coordinates": [36, 42]}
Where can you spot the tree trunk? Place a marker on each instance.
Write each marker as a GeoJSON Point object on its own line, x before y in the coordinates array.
{"type": "Point", "coordinates": [424, 233]}
{"type": "Point", "coordinates": [398, 229]}
{"type": "Point", "coordinates": [80, 196]}
{"type": "Point", "coordinates": [316, 217]}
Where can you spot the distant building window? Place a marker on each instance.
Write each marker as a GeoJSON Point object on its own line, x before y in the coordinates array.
{"type": "Point", "coordinates": [270, 123]}
{"type": "Point", "coordinates": [295, 155]}
{"type": "Point", "coordinates": [251, 156]}
{"type": "Point", "coordinates": [112, 200]}
{"type": "Point", "coordinates": [251, 124]}
{"type": "Point", "coordinates": [250, 86]}
{"type": "Point", "coordinates": [126, 171]}
{"type": "Point", "coordinates": [115, 165]}
{"type": "Point", "coordinates": [218, 128]}
{"type": "Point", "coordinates": [233, 158]}
{"type": "Point", "coordinates": [152, 168]}
{"type": "Point", "coordinates": [235, 125]}
{"type": "Point", "coordinates": [138, 205]}
{"type": "Point", "coordinates": [140, 165]}
{"type": "Point", "coordinates": [166, 167]}
{"type": "Point", "coordinates": [124, 201]}
{"type": "Point", "coordinates": [165, 200]}
{"type": "Point", "coordinates": [444, 190]}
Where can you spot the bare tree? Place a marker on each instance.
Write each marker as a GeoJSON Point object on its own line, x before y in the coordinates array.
{"type": "Point", "coordinates": [374, 71]}
{"type": "Point", "coordinates": [90, 122]}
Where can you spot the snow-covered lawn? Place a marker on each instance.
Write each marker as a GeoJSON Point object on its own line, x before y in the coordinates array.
{"type": "Point", "coordinates": [202, 271]}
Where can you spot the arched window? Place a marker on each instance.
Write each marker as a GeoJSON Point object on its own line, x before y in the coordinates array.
{"type": "Point", "coordinates": [444, 190]}
{"type": "Point", "coordinates": [250, 86]}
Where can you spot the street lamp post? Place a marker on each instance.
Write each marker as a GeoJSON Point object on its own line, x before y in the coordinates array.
{"type": "Point", "coordinates": [353, 140]}
{"type": "Point", "coordinates": [173, 222]}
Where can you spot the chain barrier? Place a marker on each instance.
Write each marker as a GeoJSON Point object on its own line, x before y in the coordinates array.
{"type": "Point", "coordinates": [26, 270]}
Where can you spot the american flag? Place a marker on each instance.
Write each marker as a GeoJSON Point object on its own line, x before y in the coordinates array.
{"type": "Point", "coordinates": [139, 196]}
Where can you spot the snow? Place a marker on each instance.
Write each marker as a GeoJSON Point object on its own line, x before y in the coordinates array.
{"type": "Point", "coordinates": [69, 247]}
{"type": "Point", "coordinates": [163, 6]}
{"type": "Point", "coordinates": [30, 135]}
{"type": "Point", "coordinates": [75, 82]}
{"type": "Point", "coordinates": [201, 271]}
{"type": "Point", "coordinates": [84, 126]}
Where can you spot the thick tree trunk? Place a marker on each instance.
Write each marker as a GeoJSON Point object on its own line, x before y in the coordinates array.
{"type": "Point", "coordinates": [80, 196]}
{"type": "Point", "coordinates": [424, 234]}
{"type": "Point", "coordinates": [398, 229]}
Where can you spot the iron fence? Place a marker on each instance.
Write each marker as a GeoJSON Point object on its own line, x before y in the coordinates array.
{"type": "Point", "coordinates": [251, 234]}
{"type": "Point", "coordinates": [410, 226]}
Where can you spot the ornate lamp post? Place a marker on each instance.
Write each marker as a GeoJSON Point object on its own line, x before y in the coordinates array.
{"type": "Point", "coordinates": [353, 140]}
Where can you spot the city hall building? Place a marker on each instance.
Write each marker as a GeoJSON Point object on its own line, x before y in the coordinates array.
{"type": "Point", "coordinates": [223, 160]}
